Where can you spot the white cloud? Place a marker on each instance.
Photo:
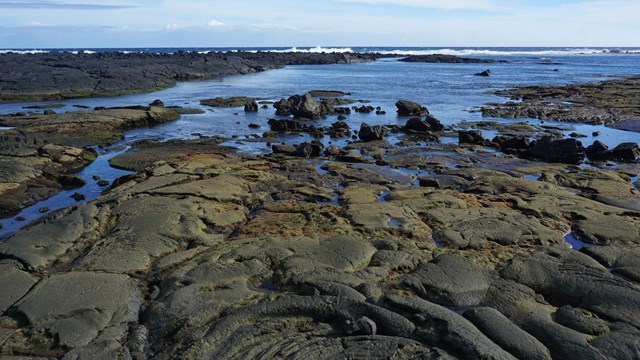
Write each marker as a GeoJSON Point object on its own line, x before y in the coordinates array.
{"type": "Point", "coordinates": [174, 27]}
{"type": "Point", "coordinates": [433, 4]}
{"type": "Point", "coordinates": [215, 23]}
{"type": "Point", "coordinates": [36, 23]}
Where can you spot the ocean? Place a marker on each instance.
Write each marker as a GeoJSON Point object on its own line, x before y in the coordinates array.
{"type": "Point", "coordinates": [451, 92]}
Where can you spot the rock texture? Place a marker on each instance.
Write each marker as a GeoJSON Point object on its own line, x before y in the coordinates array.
{"type": "Point", "coordinates": [31, 170]}
{"type": "Point", "coordinates": [448, 59]}
{"type": "Point", "coordinates": [205, 254]}
{"type": "Point", "coordinates": [61, 75]}
{"type": "Point", "coordinates": [613, 103]}
{"type": "Point", "coordinates": [87, 128]}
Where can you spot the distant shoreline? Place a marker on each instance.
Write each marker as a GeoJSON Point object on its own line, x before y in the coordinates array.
{"type": "Point", "coordinates": [64, 75]}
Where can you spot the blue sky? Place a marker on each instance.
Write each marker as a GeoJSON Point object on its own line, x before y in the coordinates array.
{"type": "Point", "coordinates": [192, 23]}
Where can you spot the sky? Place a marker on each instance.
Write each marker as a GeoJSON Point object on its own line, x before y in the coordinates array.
{"type": "Point", "coordinates": [327, 23]}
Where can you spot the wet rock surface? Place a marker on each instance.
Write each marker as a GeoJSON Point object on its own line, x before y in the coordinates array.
{"type": "Point", "coordinates": [88, 128]}
{"type": "Point", "coordinates": [31, 170]}
{"type": "Point", "coordinates": [207, 254]}
{"type": "Point", "coordinates": [613, 103]}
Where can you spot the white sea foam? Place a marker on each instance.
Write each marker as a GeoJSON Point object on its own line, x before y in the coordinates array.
{"type": "Point", "coordinates": [24, 51]}
{"type": "Point", "coordinates": [317, 49]}
{"type": "Point", "coordinates": [508, 52]}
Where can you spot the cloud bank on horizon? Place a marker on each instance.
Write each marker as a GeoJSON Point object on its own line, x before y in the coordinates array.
{"type": "Point", "coordinates": [253, 23]}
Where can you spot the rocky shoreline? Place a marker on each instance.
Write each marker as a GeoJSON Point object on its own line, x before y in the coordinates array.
{"type": "Point", "coordinates": [63, 75]}
{"type": "Point", "coordinates": [208, 254]}
{"type": "Point", "coordinates": [614, 103]}
{"type": "Point", "coordinates": [503, 248]}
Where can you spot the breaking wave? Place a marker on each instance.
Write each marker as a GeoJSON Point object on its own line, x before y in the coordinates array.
{"type": "Point", "coordinates": [503, 51]}
{"type": "Point", "coordinates": [317, 49]}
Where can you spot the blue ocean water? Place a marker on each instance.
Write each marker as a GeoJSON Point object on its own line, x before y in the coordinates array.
{"type": "Point", "coordinates": [451, 92]}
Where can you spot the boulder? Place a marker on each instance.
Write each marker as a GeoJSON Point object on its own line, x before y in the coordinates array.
{"type": "Point", "coordinates": [597, 151]}
{"type": "Point", "coordinates": [304, 150]}
{"type": "Point", "coordinates": [333, 150]}
{"type": "Point", "coordinates": [371, 133]}
{"type": "Point", "coordinates": [410, 108]}
{"type": "Point", "coordinates": [157, 103]}
{"type": "Point", "coordinates": [251, 106]}
{"type": "Point", "coordinates": [484, 73]}
{"type": "Point", "coordinates": [364, 109]}
{"type": "Point", "coordinates": [625, 152]}
{"type": "Point", "coordinates": [339, 129]}
{"type": "Point", "coordinates": [513, 145]}
{"type": "Point", "coordinates": [300, 106]}
{"type": "Point", "coordinates": [282, 126]}
{"type": "Point", "coordinates": [283, 107]}
{"type": "Point", "coordinates": [283, 149]}
{"type": "Point", "coordinates": [418, 125]}
{"type": "Point", "coordinates": [472, 137]}
{"type": "Point", "coordinates": [569, 151]}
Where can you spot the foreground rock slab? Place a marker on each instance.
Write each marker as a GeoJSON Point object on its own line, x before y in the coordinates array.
{"type": "Point", "coordinates": [206, 254]}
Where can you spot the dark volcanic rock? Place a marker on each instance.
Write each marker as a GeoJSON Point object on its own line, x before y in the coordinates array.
{"type": "Point", "coordinates": [472, 137]}
{"type": "Point", "coordinates": [371, 133]}
{"type": "Point", "coordinates": [300, 106]}
{"type": "Point", "coordinates": [236, 101]}
{"type": "Point", "coordinates": [283, 149]}
{"type": "Point", "coordinates": [62, 75]}
{"type": "Point", "coordinates": [507, 334]}
{"type": "Point", "coordinates": [613, 103]}
{"type": "Point", "coordinates": [625, 152]}
{"type": "Point", "coordinates": [569, 151]}
{"type": "Point", "coordinates": [517, 144]}
{"type": "Point", "coordinates": [327, 93]}
{"type": "Point", "coordinates": [285, 125]}
{"type": "Point", "coordinates": [428, 125]}
{"type": "Point", "coordinates": [484, 73]}
{"type": "Point", "coordinates": [410, 108]}
{"type": "Point", "coordinates": [77, 197]}
{"type": "Point", "coordinates": [597, 151]}
{"type": "Point", "coordinates": [581, 320]}
{"type": "Point", "coordinates": [364, 109]}
{"type": "Point", "coordinates": [157, 102]}
{"type": "Point", "coordinates": [449, 59]}
{"type": "Point", "coordinates": [339, 129]}
{"type": "Point", "coordinates": [304, 150]}
{"type": "Point", "coordinates": [251, 106]}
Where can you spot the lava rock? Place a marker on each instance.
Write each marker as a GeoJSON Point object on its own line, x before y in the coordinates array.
{"type": "Point", "coordinates": [625, 152]}
{"type": "Point", "coordinates": [597, 151]}
{"type": "Point", "coordinates": [251, 106]}
{"type": "Point", "coordinates": [283, 149]}
{"type": "Point", "coordinates": [485, 73]}
{"type": "Point", "coordinates": [371, 133]}
{"type": "Point", "coordinates": [472, 137]}
{"type": "Point", "coordinates": [410, 108]}
{"type": "Point", "coordinates": [569, 151]}
{"type": "Point", "coordinates": [157, 102]}
{"type": "Point", "coordinates": [78, 197]}
{"type": "Point", "coordinates": [304, 150]}
{"type": "Point", "coordinates": [283, 126]}
{"type": "Point", "coordinates": [418, 125]}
